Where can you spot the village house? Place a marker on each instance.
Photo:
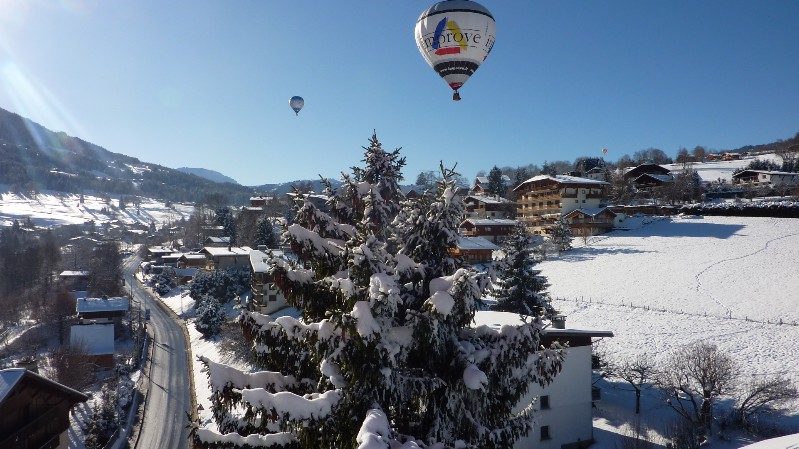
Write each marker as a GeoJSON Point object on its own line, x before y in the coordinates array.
{"type": "Point", "coordinates": [266, 297]}
{"type": "Point", "coordinates": [596, 173]}
{"type": "Point", "coordinates": [480, 186]}
{"type": "Point", "coordinates": [765, 178]}
{"type": "Point", "coordinates": [215, 241]}
{"type": "Point", "coordinates": [544, 199]}
{"type": "Point", "coordinates": [474, 250]}
{"type": "Point", "coordinates": [74, 280]}
{"type": "Point", "coordinates": [35, 410]}
{"type": "Point", "coordinates": [221, 258]}
{"type": "Point", "coordinates": [564, 407]}
{"type": "Point", "coordinates": [493, 230]}
{"type": "Point", "coordinates": [489, 206]}
{"type": "Point", "coordinates": [155, 254]}
{"type": "Point", "coordinates": [102, 310]}
{"type": "Point", "coordinates": [648, 176]}
{"type": "Point", "coordinates": [585, 222]}
{"type": "Point", "coordinates": [98, 341]}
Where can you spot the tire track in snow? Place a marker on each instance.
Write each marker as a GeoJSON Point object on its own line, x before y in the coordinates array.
{"type": "Point", "coordinates": [714, 264]}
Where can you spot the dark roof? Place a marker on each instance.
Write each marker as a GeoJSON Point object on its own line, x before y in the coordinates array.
{"type": "Point", "coordinates": [646, 168]}
{"type": "Point", "coordinates": [11, 377]}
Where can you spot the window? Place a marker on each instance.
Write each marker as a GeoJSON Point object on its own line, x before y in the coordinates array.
{"type": "Point", "coordinates": [545, 433]}
{"type": "Point", "coordinates": [544, 402]}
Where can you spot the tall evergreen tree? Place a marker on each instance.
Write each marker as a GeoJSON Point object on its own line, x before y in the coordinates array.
{"type": "Point", "coordinates": [384, 349]}
{"type": "Point", "coordinates": [105, 270]}
{"type": "Point", "coordinates": [561, 235]}
{"type": "Point", "coordinates": [265, 233]}
{"type": "Point", "coordinates": [225, 218]}
{"type": "Point", "coordinates": [496, 186]}
{"type": "Point", "coordinates": [521, 287]}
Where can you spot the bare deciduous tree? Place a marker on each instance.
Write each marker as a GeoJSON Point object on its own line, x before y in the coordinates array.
{"type": "Point", "coordinates": [69, 365]}
{"type": "Point", "coordinates": [765, 394]}
{"type": "Point", "coordinates": [693, 378]}
{"type": "Point", "coordinates": [639, 372]}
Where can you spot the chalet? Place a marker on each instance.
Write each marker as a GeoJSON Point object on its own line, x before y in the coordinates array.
{"type": "Point", "coordinates": [171, 260]}
{"type": "Point", "coordinates": [596, 173]}
{"type": "Point", "coordinates": [543, 199]}
{"type": "Point", "coordinates": [474, 250]}
{"type": "Point", "coordinates": [651, 180]}
{"type": "Point", "coordinates": [191, 260]}
{"type": "Point", "coordinates": [266, 297]}
{"type": "Point", "coordinates": [647, 168]}
{"type": "Point", "coordinates": [74, 280]}
{"type": "Point", "coordinates": [216, 241]}
{"type": "Point", "coordinates": [102, 310]}
{"type": "Point", "coordinates": [155, 254]}
{"type": "Point", "coordinates": [564, 407]}
{"type": "Point", "coordinates": [765, 177]}
{"type": "Point", "coordinates": [493, 230]}
{"type": "Point", "coordinates": [34, 410]}
{"type": "Point", "coordinates": [260, 200]}
{"type": "Point", "coordinates": [583, 222]}
{"type": "Point", "coordinates": [489, 206]}
{"type": "Point", "coordinates": [221, 258]}
{"type": "Point", "coordinates": [480, 186]}
{"type": "Point", "coordinates": [97, 339]}
{"type": "Point", "coordinates": [730, 156]}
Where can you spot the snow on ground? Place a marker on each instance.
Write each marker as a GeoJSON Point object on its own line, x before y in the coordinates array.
{"type": "Point", "coordinates": [57, 209]}
{"type": "Point", "coordinates": [670, 282]}
{"type": "Point", "coordinates": [715, 170]}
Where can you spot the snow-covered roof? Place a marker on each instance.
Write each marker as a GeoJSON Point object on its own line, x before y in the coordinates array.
{"type": "Point", "coordinates": [475, 243]}
{"type": "Point", "coordinates": [69, 273]}
{"type": "Point", "coordinates": [489, 199]}
{"type": "Point", "coordinates": [223, 251]}
{"type": "Point", "coordinates": [591, 211]}
{"type": "Point", "coordinates": [160, 250]}
{"type": "Point", "coordinates": [766, 172]}
{"type": "Point", "coordinates": [496, 320]}
{"type": "Point", "coordinates": [192, 256]}
{"type": "Point", "coordinates": [258, 259]}
{"type": "Point", "coordinates": [492, 221]}
{"type": "Point", "coordinates": [663, 178]}
{"type": "Point", "coordinates": [98, 338]}
{"type": "Point", "coordinates": [119, 303]}
{"type": "Point", "coordinates": [11, 376]}
{"type": "Point", "coordinates": [224, 240]}
{"type": "Point", "coordinates": [563, 179]}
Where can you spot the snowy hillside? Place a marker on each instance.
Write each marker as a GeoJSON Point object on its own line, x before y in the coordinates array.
{"type": "Point", "coordinates": [715, 170]}
{"type": "Point", "coordinates": [51, 209]}
{"type": "Point", "coordinates": [667, 283]}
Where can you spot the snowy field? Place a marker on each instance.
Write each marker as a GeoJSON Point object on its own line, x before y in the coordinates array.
{"type": "Point", "coordinates": [715, 170]}
{"type": "Point", "coordinates": [666, 283]}
{"type": "Point", "coordinates": [57, 209]}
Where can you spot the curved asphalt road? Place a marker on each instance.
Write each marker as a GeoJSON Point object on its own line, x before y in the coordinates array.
{"type": "Point", "coordinates": [168, 395]}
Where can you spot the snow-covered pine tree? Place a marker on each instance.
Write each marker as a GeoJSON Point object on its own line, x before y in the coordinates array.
{"type": "Point", "coordinates": [265, 233]}
{"type": "Point", "coordinates": [384, 352]}
{"type": "Point", "coordinates": [225, 218]}
{"type": "Point", "coordinates": [210, 316]}
{"type": "Point", "coordinates": [561, 235]}
{"type": "Point", "coordinates": [521, 288]}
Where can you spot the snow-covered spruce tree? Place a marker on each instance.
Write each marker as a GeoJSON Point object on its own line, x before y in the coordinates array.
{"type": "Point", "coordinates": [520, 287]}
{"type": "Point", "coordinates": [265, 233]}
{"type": "Point", "coordinates": [385, 352]}
{"type": "Point", "coordinates": [561, 235]}
{"type": "Point", "coordinates": [210, 316]}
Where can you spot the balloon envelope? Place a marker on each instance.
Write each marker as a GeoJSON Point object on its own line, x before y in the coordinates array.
{"type": "Point", "coordinates": [296, 103]}
{"type": "Point", "coordinates": [455, 37]}
{"type": "Point", "coordinates": [604, 151]}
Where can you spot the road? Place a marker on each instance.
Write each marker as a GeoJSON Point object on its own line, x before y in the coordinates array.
{"type": "Point", "coordinates": [168, 395]}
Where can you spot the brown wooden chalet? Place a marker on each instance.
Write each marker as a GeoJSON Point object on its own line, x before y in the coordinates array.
{"type": "Point", "coordinates": [647, 168]}
{"type": "Point", "coordinates": [543, 199]}
{"type": "Point", "coordinates": [590, 221]}
{"type": "Point", "coordinates": [474, 250]}
{"type": "Point", "coordinates": [493, 230]}
{"type": "Point", "coordinates": [34, 411]}
{"type": "Point", "coordinates": [489, 206]}
{"type": "Point", "coordinates": [105, 310]}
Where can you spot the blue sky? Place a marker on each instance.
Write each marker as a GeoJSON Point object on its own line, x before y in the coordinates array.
{"type": "Point", "coordinates": [205, 83]}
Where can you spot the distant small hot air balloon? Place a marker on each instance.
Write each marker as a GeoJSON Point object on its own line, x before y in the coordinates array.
{"type": "Point", "coordinates": [455, 37]}
{"type": "Point", "coordinates": [604, 151]}
{"type": "Point", "coordinates": [296, 103]}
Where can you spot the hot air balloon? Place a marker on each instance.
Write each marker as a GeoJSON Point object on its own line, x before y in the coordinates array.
{"type": "Point", "coordinates": [296, 103]}
{"type": "Point", "coordinates": [455, 37]}
{"type": "Point", "coordinates": [604, 151]}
